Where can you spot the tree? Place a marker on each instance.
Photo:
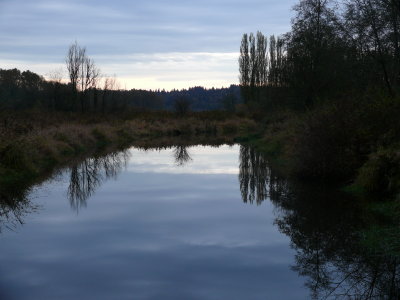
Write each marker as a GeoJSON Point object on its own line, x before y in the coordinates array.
{"type": "Point", "coordinates": [374, 25]}
{"type": "Point", "coordinates": [253, 65]}
{"type": "Point", "coordinates": [244, 66]}
{"type": "Point", "coordinates": [10, 83]}
{"type": "Point", "coordinates": [314, 50]}
{"type": "Point", "coordinates": [82, 71]}
{"type": "Point", "coordinates": [31, 85]}
{"type": "Point", "coordinates": [181, 105]}
{"type": "Point", "coordinates": [74, 60]}
{"type": "Point", "coordinates": [110, 85]}
{"type": "Point", "coordinates": [55, 77]}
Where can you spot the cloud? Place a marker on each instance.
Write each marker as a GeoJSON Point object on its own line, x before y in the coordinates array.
{"type": "Point", "coordinates": [39, 32]}
{"type": "Point", "coordinates": [150, 71]}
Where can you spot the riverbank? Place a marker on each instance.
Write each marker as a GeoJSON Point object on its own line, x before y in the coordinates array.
{"type": "Point", "coordinates": [38, 147]}
{"type": "Point", "coordinates": [355, 146]}
{"type": "Point", "coordinates": [31, 145]}
{"type": "Point", "coordinates": [324, 144]}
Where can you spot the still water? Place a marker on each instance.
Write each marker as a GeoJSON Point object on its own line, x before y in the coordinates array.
{"type": "Point", "coordinates": [176, 223]}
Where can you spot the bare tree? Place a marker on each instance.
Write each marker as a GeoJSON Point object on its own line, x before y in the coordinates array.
{"type": "Point", "coordinates": [83, 73]}
{"type": "Point", "coordinates": [74, 60]}
{"type": "Point", "coordinates": [110, 84]}
{"type": "Point", "coordinates": [55, 77]}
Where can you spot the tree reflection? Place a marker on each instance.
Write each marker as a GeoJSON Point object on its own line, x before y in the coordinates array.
{"type": "Point", "coordinates": [87, 176]}
{"type": "Point", "coordinates": [257, 180]}
{"type": "Point", "coordinates": [14, 206]}
{"type": "Point", "coordinates": [181, 155]}
{"type": "Point", "coordinates": [325, 227]}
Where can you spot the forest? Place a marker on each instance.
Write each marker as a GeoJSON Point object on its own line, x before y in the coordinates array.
{"type": "Point", "coordinates": [328, 91]}
{"type": "Point", "coordinates": [22, 91]}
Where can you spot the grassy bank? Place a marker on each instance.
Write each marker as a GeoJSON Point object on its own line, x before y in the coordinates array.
{"type": "Point", "coordinates": [352, 143]}
{"type": "Point", "coordinates": [34, 144]}
{"type": "Point", "coordinates": [349, 143]}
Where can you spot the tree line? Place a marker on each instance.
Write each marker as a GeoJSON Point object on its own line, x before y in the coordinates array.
{"type": "Point", "coordinates": [331, 89]}
{"type": "Point", "coordinates": [86, 89]}
{"type": "Point", "coordinates": [335, 48]}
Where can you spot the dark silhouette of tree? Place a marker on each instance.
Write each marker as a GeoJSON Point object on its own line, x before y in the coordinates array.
{"type": "Point", "coordinates": [334, 49]}
{"type": "Point", "coordinates": [181, 106]}
{"type": "Point", "coordinates": [20, 90]}
{"type": "Point", "coordinates": [25, 90]}
{"type": "Point", "coordinates": [83, 73]}
{"type": "Point", "coordinates": [253, 65]}
{"type": "Point", "coordinates": [55, 83]}
{"type": "Point", "coordinates": [110, 85]}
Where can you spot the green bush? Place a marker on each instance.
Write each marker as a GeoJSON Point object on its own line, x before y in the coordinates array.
{"type": "Point", "coordinates": [381, 172]}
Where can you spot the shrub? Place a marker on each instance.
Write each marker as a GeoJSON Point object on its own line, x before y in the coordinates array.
{"type": "Point", "coordinates": [324, 146]}
{"type": "Point", "coordinates": [381, 173]}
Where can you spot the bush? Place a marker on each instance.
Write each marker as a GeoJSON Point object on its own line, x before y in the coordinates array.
{"type": "Point", "coordinates": [324, 144]}
{"type": "Point", "coordinates": [381, 173]}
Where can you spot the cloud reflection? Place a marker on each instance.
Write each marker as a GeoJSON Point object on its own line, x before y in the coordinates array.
{"type": "Point", "coordinates": [222, 162]}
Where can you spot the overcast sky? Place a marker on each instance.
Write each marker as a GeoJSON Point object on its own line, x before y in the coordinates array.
{"type": "Point", "coordinates": [146, 44]}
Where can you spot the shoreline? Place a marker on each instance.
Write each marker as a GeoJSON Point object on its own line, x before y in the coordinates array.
{"type": "Point", "coordinates": [29, 156]}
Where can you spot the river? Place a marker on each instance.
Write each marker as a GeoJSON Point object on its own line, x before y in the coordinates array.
{"type": "Point", "coordinates": [198, 222]}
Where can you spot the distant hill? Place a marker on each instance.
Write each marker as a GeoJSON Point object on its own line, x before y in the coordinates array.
{"type": "Point", "coordinates": [200, 98]}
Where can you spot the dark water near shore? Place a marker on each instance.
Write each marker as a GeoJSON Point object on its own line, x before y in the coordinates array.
{"type": "Point", "coordinates": [185, 223]}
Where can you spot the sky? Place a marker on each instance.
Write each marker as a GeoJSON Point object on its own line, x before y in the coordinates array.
{"type": "Point", "coordinates": [155, 44]}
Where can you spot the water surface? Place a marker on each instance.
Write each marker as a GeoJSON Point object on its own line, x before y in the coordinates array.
{"type": "Point", "coordinates": [195, 222]}
{"type": "Point", "coordinates": [156, 224]}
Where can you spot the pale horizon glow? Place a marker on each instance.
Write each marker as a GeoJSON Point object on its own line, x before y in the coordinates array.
{"type": "Point", "coordinates": [146, 45]}
{"type": "Point", "coordinates": [162, 70]}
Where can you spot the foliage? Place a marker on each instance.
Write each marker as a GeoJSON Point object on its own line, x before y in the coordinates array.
{"type": "Point", "coordinates": [335, 48]}
{"type": "Point", "coordinates": [381, 172]}
{"type": "Point", "coordinates": [338, 72]}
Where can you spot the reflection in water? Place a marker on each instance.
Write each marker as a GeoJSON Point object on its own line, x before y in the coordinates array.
{"type": "Point", "coordinates": [181, 155]}
{"type": "Point", "coordinates": [325, 226]}
{"type": "Point", "coordinates": [325, 230]}
{"type": "Point", "coordinates": [14, 205]}
{"type": "Point", "coordinates": [257, 180]}
{"type": "Point", "coordinates": [85, 177]}
{"type": "Point", "coordinates": [330, 255]}
{"type": "Point", "coordinates": [89, 174]}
